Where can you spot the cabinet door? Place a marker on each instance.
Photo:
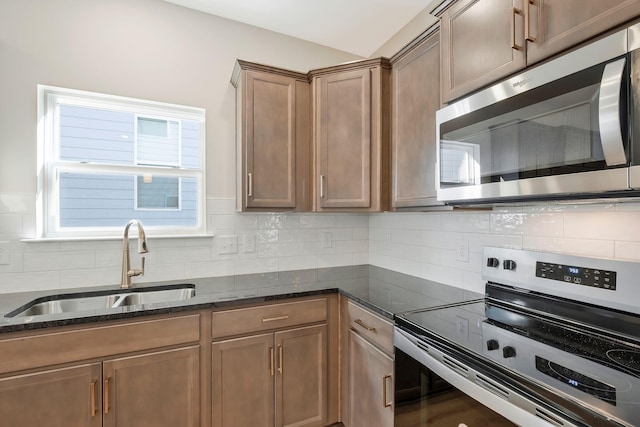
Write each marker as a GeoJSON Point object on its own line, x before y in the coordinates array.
{"type": "Point", "coordinates": [416, 98]}
{"type": "Point", "coordinates": [243, 372]}
{"type": "Point", "coordinates": [344, 139]}
{"type": "Point", "coordinates": [555, 25]}
{"type": "Point", "coordinates": [370, 384]}
{"type": "Point", "coordinates": [301, 377]}
{"type": "Point", "coordinates": [154, 389]}
{"type": "Point", "coordinates": [482, 41]}
{"type": "Point", "coordinates": [270, 140]}
{"type": "Point", "coordinates": [56, 398]}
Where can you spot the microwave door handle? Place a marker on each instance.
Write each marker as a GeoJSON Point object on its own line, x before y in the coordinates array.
{"type": "Point", "coordinates": [609, 113]}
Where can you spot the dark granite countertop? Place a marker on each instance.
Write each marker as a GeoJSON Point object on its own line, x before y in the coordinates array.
{"type": "Point", "coordinates": [385, 292]}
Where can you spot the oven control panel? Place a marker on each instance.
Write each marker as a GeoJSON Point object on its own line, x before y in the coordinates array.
{"type": "Point", "coordinates": [593, 277]}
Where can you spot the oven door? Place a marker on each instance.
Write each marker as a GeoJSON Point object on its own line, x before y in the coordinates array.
{"type": "Point", "coordinates": [434, 389]}
{"type": "Point", "coordinates": [423, 398]}
{"type": "Point", "coordinates": [556, 131]}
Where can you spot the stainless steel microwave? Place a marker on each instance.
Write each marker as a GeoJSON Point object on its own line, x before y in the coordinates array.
{"type": "Point", "coordinates": [562, 130]}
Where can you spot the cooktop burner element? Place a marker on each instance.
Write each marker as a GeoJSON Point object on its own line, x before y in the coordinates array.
{"type": "Point", "coordinates": [626, 358]}
{"type": "Point", "coordinates": [566, 326]}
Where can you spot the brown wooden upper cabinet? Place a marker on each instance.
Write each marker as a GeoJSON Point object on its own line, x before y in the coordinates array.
{"type": "Point", "coordinates": [415, 88]}
{"type": "Point", "coordinates": [273, 138]}
{"type": "Point", "coordinates": [351, 136]}
{"type": "Point", "coordinates": [485, 40]}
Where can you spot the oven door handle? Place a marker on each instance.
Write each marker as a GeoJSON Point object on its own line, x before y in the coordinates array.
{"type": "Point", "coordinates": [609, 113]}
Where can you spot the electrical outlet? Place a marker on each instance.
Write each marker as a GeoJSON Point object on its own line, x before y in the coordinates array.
{"type": "Point", "coordinates": [5, 253]}
{"type": "Point", "coordinates": [327, 239]}
{"type": "Point", "coordinates": [462, 251]}
{"type": "Point", "coordinates": [227, 244]}
{"type": "Point", "coordinates": [249, 243]}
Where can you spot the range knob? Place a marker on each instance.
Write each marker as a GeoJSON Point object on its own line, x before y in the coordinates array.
{"type": "Point", "coordinates": [509, 264]}
{"type": "Point", "coordinates": [508, 352]}
{"type": "Point", "coordinates": [493, 262]}
{"type": "Point", "coordinates": [493, 345]}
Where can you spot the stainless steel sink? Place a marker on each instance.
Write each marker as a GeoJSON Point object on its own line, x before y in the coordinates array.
{"type": "Point", "coordinates": [70, 303]}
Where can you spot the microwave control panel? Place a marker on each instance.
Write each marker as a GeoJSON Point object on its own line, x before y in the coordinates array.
{"type": "Point", "coordinates": [583, 276]}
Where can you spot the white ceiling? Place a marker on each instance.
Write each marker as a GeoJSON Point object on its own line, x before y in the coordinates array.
{"type": "Point", "coordinates": [356, 26]}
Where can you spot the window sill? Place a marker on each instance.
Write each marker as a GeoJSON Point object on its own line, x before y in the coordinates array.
{"type": "Point", "coordinates": [111, 238]}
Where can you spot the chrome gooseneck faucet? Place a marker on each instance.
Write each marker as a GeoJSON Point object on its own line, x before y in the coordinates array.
{"type": "Point", "coordinates": [127, 272]}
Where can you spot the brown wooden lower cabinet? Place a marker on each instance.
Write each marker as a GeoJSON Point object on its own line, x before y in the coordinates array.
{"type": "Point", "coordinates": [367, 367]}
{"type": "Point", "coordinates": [160, 389]}
{"type": "Point", "coordinates": [58, 397]}
{"type": "Point", "coordinates": [274, 379]}
{"type": "Point", "coordinates": [370, 384]}
{"type": "Point", "coordinates": [159, 372]}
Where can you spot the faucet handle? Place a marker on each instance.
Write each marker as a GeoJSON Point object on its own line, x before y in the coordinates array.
{"type": "Point", "coordinates": [133, 272]}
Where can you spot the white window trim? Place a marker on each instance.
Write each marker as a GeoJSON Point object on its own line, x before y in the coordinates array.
{"type": "Point", "coordinates": [49, 166]}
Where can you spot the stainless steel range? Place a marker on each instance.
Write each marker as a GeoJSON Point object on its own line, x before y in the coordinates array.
{"type": "Point", "coordinates": [555, 342]}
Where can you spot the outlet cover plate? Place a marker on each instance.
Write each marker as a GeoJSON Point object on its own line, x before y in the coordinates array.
{"type": "Point", "coordinates": [227, 245]}
{"type": "Point", "coordinates": [462, 251]}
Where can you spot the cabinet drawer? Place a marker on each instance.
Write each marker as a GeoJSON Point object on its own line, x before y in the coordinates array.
{"type": "Point", "coordinates": [52, 348]}
{"type": "Point", "coordinates": [255, 319]}
{"type": "Point", "coordinates": [374, 328]}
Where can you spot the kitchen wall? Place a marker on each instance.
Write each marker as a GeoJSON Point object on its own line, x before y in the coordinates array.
{"type": "Point", "coordinates": [427, 245]}
{"type": "Point", "coordinates": [153, 50]}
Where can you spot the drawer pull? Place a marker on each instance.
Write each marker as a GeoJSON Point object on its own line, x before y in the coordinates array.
{"type": "Point", "coordinates": [527, 20]}
{"type": "Point", "coordinates": [271, 361]}
{"type": "Point", "coordinates": [385, 402]}
{"type": "Point", "coordinates": [514, 12]}
{"type": "Point", "coordinates": [361, 323]}
{"type": "Point", "coordinates": [93, 398]}
{"type": "Point", "coordinates": [274, 319]}
{"type": "Point", "coordinates": [106, 395]}
{"type": "Point", "coordinates": [250, 185]}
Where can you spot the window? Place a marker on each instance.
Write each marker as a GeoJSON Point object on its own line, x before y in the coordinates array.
{"type": "Point", "coordinates": [104, 160]}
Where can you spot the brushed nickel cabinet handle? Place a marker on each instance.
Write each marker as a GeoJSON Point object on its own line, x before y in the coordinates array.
{"type": "Point", "coordinates": [361, 323]}
{"type": "Point", "coordinates": [271, 361]}
{"type": "Point", "coordinates": [527, 20]}
{"type": "Point", "coordinates": [514, 12]}
{"type": "Point", "coordinates": [106, 395]}
{"type": "Point", "coordinates": [274, 319]}
{"type": "Point", "coordinates": [93, 398]}
{"type": "Point", "coordinates": [322, 186]}
{"type": "Point", "coordinates": [385, 403]}
{"type": "Point", "coordinates": [250, 185]}
{"type": "Point", "coordinates": [280, 360]}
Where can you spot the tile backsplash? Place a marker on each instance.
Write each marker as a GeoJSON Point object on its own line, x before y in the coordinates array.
{"type": "Point", "coordinates": [427, 244]}
{"type": "Point", "coordinates": [277, 242]}
{"type": "Point", "coordinates": [422, 244]}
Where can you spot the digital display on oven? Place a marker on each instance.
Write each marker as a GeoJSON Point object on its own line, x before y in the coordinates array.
{"type": "Point", "coordinates": [576, 380]}
{"type": "Point", "coordinates": [574, 270]}
{"type": "Point", "coordinates": [592, 277]}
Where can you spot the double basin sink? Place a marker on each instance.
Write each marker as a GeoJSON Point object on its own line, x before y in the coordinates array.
{"type": "Point", "coordinates": [100, 300]}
